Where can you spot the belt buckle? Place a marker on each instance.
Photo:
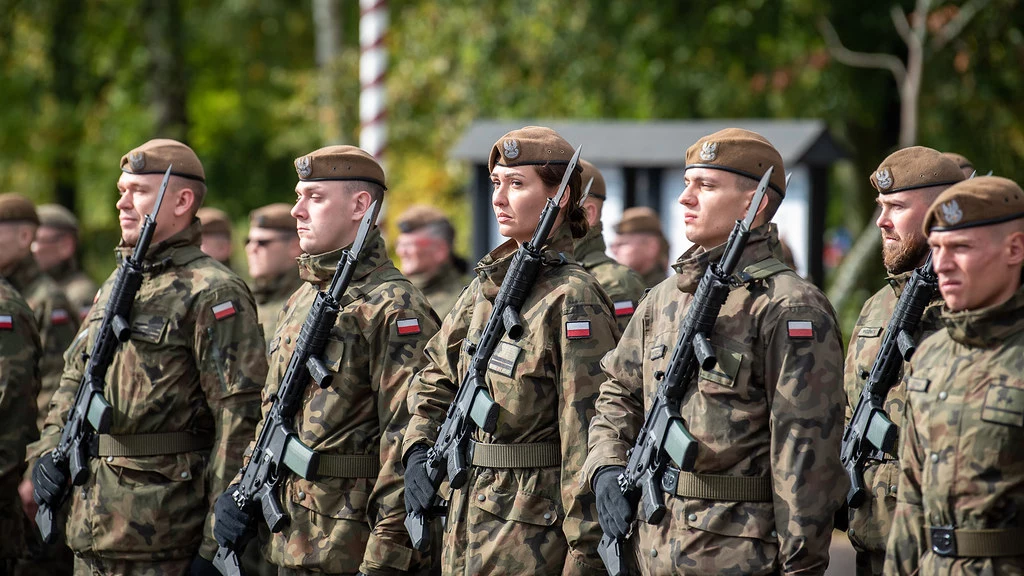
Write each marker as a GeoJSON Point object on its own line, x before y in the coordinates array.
{"type": "Point", "coordinates": [943, 540]}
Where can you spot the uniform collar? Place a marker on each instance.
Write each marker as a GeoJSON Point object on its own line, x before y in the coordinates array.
{"type": "Point", "coordinates": [591, 248]}
{"type": "Point", "coordinates": [445, 274]}
{"type": "Point", "coordinates": [986, 327]}
{"type": "Point", "coordinates": [24, 273]}
{"type": "Point", "coordinates": [179, 249]}
{"type": "Point", "coordinates": [319, 268]}
{"type": "Point", "coordinates": [492, 268]}
{"type": "Point", "coordinates": [898, 282]}
{"type": "Point", "coordinates": [265, 289]}
{"type": "Point", "coordinates": [763, 244]}
{"type": "Point", "coordinates": [63, 269]}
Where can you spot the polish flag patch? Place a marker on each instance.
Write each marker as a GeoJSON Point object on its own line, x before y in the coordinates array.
{"type": "Point", "coordinates": [408, 326]}
{"type": "Point", "coordinates": [579, 329]}
{"type": "Point", "coordinates": [59, 317]}
{"type": "Point", "coordinates": [623, 307]}
{"type": "Point", "coordinates": [800, 329]}
{"type": "Point", "coordinates": [6, 323]}
{"type": "Point", "coordinates": [224, 310]}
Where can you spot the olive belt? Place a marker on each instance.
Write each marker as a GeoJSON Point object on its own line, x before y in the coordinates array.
{"type": "Point", "coordinates": [714, 487]}
{"type": "Point", "coordinates": [534, 455]}
{"type": "Point", "coordinates": [134, 445]}
{"type": "Point", "coordinates": [348, 465]}
{"type": "Point", "coordinates": [964, 543]}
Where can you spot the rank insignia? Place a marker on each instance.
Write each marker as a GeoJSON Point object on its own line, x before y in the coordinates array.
{"type": "Point", "coordinates": [224, 310]}
{"type": "Point", "coordinates": [304, 166]}
{"type": "Point", "coordinates": [623, 307]}
{"type": "Point", "coordinates": [511, 148]}
{"type": "Point", "coordinates": [6, 323]}
{"type": "Point", "coordinates": [577, 330]}
{"type": "Point", "coordinates": [59, 317]}
{"type": "Point", "coordinates": [951, 212]}
{"type": "Point", "coordinates": [137, 160]}
{"type": "Point", "coordinates": [800, 329]}
{"type": "Point", "coordinates": [408, 326]}
{"type": "Point", "coordinates": [709, 151]}
{"type": "Point", "coordinates": [884, 178]}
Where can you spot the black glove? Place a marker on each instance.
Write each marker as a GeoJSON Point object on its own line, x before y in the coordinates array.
{"type": "Point", "coordinates": [202, 567]}
{"type": "Point", "coordinates": [614, 511]}
{"type": "Point", "coordinates": [48, 482]}
{"type": "Point", "coordinates": [419, 490]}
{"type": "Point", "coordinates": [231, 525]}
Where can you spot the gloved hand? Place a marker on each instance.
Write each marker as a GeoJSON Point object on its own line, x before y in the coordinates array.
{"type": "Point", "coordinates": [614, 512]}
{"type": "Point", "coordinates": [231, 525]}
{"type": "Point", "coordinates": [202, 567]}
{"type": "Point", "coordinates": [419, 491]}
{"type": "Point", "coordinates": [48, 482]}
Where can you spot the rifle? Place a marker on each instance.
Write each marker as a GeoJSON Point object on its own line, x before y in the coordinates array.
{"type": "Point", "coordinates": [278, 448]}
{"type": "Point", "coordinates": [473, 406]}
{"type": "Point", "coordinates": [91, 413]}
{"type": "Point", "coordinates": [664, 432]}
{"type": "Point", "coordinates": [871, 434]}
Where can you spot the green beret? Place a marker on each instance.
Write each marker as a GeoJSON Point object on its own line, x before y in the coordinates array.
{"type": "Point", "coordinates": [17, 208]}
{"type": "Point", "coordinates": [214, 221]}
{"type": "Point", "coordinates": [980, 201]}
{"type": "Point", "coordinates": [273, 216]}
{"type": "Point", "coordinates": [912, 168]}
{"type": "Point", "coordinates": [57, 216]}
{"type": "Point", "coordinates": [339, 163]}
{"type": "Point", "coordinates": [597, 189]}
{"type": "Point", "coordinates": [741, 152]}
{"type": "Point", "coordinates": [532, 145]}
{"type": "Point", "coordinates": [155, 156]}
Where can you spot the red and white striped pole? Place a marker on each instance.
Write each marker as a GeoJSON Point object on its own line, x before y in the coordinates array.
{"type": "Point", "coordinates": [373, 65]}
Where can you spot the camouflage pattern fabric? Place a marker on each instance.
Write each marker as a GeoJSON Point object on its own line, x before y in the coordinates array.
{"type": "Point", "coordinates": [772, 407]}
{"type": "Point", "coordinates": [271, 295]}
{"type": "Point", "coordinates": [442, 289]}
{"type": "Point", "coordinates": [182, 370]}
{"type": "Point", "coordinates": [57, 321]}
{"type": "Point", "coordinates": [20, 352]}
{"type": "Point", "coordinates": [523, 521]}
{"type": "Point", "coordinates": [961, 460]}
{"type": "Point", "coordinates": [871, 523]}
{"type": "Point", "coordinates": [77, 286]}
{"type": "Point", "coordinates": [348, 524]}
{"type": "Point", "coordinates": [105, 567]}
{"type": "Point", "coordinates": [624, 286]}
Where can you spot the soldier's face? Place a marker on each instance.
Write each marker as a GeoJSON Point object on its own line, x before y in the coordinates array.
{"type": "Point", "coordinates": [420, 252]}
{"type": "Point", "coordinates": [216, 246]}
{"type": "Point", "coordinates": [16, 239]}
{"type": "Point", "coordinates": [323, 215]}
{"type": "Point", "coordinates": [270, 252]}
{"type": "Point", "coordinates": [900, 216]}
{"type": "Point", "coordinates": [52, 246]}
{"type": "Point", "coordinates": [638, 251]}
{"type": "Point", "coordinates": [712, 200]}
{"type": "Point", "coordinates": [518, 198]}
{"type": "Point", "coordinates": [138, 198]}
{"type": "Point", "coordinates": [977, 267]}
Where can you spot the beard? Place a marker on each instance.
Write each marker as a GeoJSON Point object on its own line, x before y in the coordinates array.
{"type": "Point", "coordinates": [905, 255]}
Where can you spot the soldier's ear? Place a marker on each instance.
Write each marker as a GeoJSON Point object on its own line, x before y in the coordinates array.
{"type": "Point", "coordinates": [1014, 244]}
{"type": "Point", "coordinates": [565, 197]}
{"type": "Point", "coordinates": [361, 202]}
{"type": "Point", "coordinates": [185, 202]}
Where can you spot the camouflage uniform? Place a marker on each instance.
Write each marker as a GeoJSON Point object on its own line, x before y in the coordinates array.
{"type": "Point", "coordinates": [960, 458]}
{"type": "Point", "coordinates": [623, 286]}
{"type": "Point", "coordinates": [20, 351]}
{"type": "Point", "coordinates": [441, 289]}
{"type": "Point", "coordinates": [772, 409]}
{"type": "Point", "coordinates": [271, 295]}
{"type": "Point", "coordinates": [871, 523]}
{"type": "Point", "coordinates": [523, 520]}
{"type": "Point", "coordinates": [339, 525]}
{"type": "Point", "coordinates": [654, 277]}
{"type": "Point", "coordinates": [187, 369]}
{"type": "Point", "coordinates": [77, 286]}
{"type": "Point", "coordinates": [57, 321]}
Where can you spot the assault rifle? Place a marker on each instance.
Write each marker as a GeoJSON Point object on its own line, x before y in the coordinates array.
{"type": "Point", "coordinates": [473, 406]}
{"type": "Point", "coordinates": [91, 413]}
{"type": "Point", "coordinates": [278, 448]}
{"type": "Point", "coordinates": [664, 433]}
{"type": "Point", "coordinates": [871, 434]}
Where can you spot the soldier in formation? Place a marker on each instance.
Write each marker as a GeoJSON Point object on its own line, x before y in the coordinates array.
{"type": "Point", "coordinates": [271, 249]}
{"type": "Point", "coordinates": [425, 242]}
{"type": "Point", "coordinates": [640, 244]}
{"type": "Point", "coordinates": [55, 249]}
{"type": "Point", "coordinates": [216, 234]}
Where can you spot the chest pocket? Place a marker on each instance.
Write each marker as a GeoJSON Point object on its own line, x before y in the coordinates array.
{"type": "Point", "coordinates": [522, 379]}
{"type": "Point", "coordinates": [150, 328]}
{"type": "Point", "coordinates": [1004, 403]}
{"type": "Point", "coordinates": [866, 348]}
{"type": "Point", "coordinates": [726, 369]}
{"type": "Point", "coordinates": [348, 358]}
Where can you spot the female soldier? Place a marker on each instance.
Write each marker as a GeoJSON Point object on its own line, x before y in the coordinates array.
{"type": "Point", "coordinates": [520, 512]}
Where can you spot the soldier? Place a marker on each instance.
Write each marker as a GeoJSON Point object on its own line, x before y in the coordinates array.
{"type": "Point", "coordinates": [424, 246]}
{"type": "Point", "coordinates": [184, 389]}
{"type": "Point", "coordinates": [640, 244]}
{"type": "Point", "coordinates": [962, 162]}
{"type": "Point", "coordinates": [961, 477]}
{"type": "Point", "coordinates": [907, 182]}
{"type": "Point", "coordinates": [20, 350]}
{"type": "Point", "coordinates": [271, 250]}
{"type": "Point", "coordinates": [767, 418]}
{"type": "Point", "coordinates": [216, 230]}
{"type": "Point", "coordinates": [623, 285]}
{"type": "Point", "coordinates": [351, 517]}
{"type": "Point", "coordinates": [55, 250]}
{"type": "Point", "coordinates": [519, 511]}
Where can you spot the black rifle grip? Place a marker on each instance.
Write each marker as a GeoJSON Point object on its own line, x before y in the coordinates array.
{"type": "Point", "coordinates": [610, 550]}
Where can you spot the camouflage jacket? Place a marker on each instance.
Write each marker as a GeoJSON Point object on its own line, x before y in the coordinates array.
{"type": "Point", "coordinates": [523, 521]}
{"type": "Point", "coordinates": [20, 350]}
{"type": "Point", "coordinates": [57, 321]}
{"type": "Point", "coordinates": [441, 289]}
{"type": "Point", "coordinates": [623, 285]}
{"type": "Point", "coordinates": [195, 363]}
{"type": "Point", "coordinates": [654, 277]}
{"type": "Point", "coordinates": [870, 524]}
{"type": "Point", "coordinates": [339, 525]}
{"type": "Point", "coordinates": [77, 286]}
{"type": "Point", "coordinates": [271, 294]}
{"type": "Point", "coordinates": [961, 460]}
{"type": "Point", "coordinates": [773, 407]}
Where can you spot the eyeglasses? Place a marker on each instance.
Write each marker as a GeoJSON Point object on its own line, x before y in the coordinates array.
{"type": "Point", "coordinates": [264, 242]}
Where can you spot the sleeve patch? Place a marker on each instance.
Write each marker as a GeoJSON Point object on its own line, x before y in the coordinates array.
{"type": "Point", "coordinates": [6, 323]}
{"type": "Point", "coordinates": [59, 317]}
{"type": "Point", "coordinates": [576, 330]}
{"type": "Point", "coordinates": [624, 307]}
{"type": "Point", "coordinates": [408, 326]}
{"type": "Point", "coordinates": [224, 310]}
{"type": "Point", "coordinates": [504, 359]}
{"type": "Point", "coordinates": [800, 329]}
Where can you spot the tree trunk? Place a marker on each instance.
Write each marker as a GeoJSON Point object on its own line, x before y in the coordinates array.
{"type": "Point", "coordinates": [166, 85]}
{"type": "Point", "coordinates": [327, 27]}
{"type": "Point", "coordinates": [67, 127]}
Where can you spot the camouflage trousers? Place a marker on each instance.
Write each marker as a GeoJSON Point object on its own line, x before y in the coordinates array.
{"type": "Point", "coordinates": [92, 566]}
{"type": "Point", "coordinates": [300, 572]}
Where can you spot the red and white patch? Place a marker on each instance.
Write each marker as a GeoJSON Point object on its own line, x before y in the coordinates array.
{"type": "Point", "coordinates": [6, 323]}
{"type": "Point", "coordinates": [59, 317]}
{"type": "Point", "coordinates": [623, 307]}
{"type": "Point", "coordinates": [800, 329]}
{"type": "Point", "coordinates": [408, 326]}
{"type": "Point", "coordinates": [580, 329]}
{"type": "Point", "coordinates": [224, 310]}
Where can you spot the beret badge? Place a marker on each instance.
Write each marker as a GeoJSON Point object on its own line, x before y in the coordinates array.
{"type": "Point", "coordinates": [511, 148]}
{"type": "Point", "coordinates": [709, 151]}
{"type": "Point", "coordinates": [951, 212]}
{"type": "Point", "coordinates": [884, 178]}
{"type": "Point", "coordinates": [137, 161]}
{"type": "Point", "coordinates": [303, 166]}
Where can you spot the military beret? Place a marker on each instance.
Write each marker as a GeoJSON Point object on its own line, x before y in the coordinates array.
{"type": "Point", "coordinates": [980, 201]}
{"type": "Point", "coordinates": [639, 220]}
{"type": "Point", "coordinates": [418, 216]}
{"type": "Point", "coordinates": [597, 189]}
{"type": "Point", "coordinates": [961, 161]}
{"type": "Point", "coordinates": [17, 208]}
{"type": "Point", "coordinates": [532, 145]}
{"type": "Point", "coordinates": [741, 152]}
{"type": "Point", "coordinates": [57, 216]}
{"type": "Point", "coordinates": [912, 168]}
{"type": "Point", "coordinates": [339, 163]}
{"type": "Point", "coordinates": [155, 156]}
{"type": "Point", "coordinates": [274, 216]}
{"type": "Point", "coordinates": [214, 221]}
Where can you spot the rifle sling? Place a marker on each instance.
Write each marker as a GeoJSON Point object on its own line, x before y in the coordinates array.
{"type": "Point", "coordinates": [758, 270]}
{"type": "Point", "coordinates": [962, 543]}
{"type": "Point", "coordinates": [715, 487]}
{"type": "Point", "coordinates": [135, 445]}
{"type": "Point", "coordinates": [535, 455]}
{"type": "Point", "coordinates": [349, 465]}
